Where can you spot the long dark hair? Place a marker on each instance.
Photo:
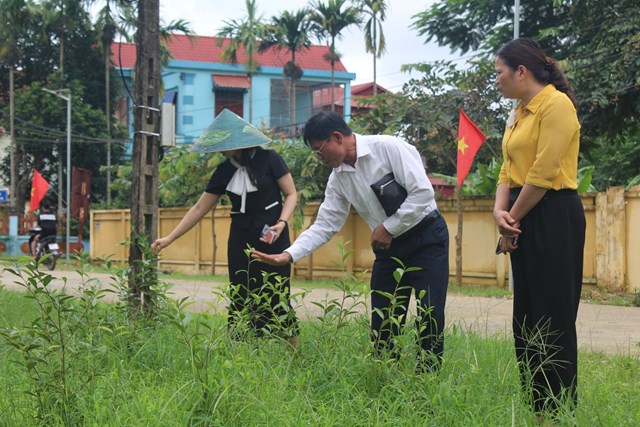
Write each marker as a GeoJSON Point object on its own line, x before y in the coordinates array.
{"type": "Point", "coordinates": [544, 69]}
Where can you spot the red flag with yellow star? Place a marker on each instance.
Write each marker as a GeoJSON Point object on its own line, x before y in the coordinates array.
{"type": "Point", "coordinates": [470, 138]}
{"type": "Point", "coordinates": [39, 187]}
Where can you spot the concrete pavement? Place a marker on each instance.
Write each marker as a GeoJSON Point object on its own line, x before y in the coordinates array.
{"type": "Point", "coordinates": [601, 328]}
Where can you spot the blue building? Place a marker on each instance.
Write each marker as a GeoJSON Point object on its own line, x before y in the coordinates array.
{"type": "Point", "coordinates": [198, 85]}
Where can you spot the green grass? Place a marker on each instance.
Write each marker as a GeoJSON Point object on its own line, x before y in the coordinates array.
{"type": "Point", "coordinates": [182, 369]}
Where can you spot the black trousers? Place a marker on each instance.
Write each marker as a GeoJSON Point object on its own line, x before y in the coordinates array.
{"type": "Point", "coordinates": [260, 293]}
{"type": "Point", "coordinates": [547, 276]}
{"type": "Point", "coordinates": [425, 255]}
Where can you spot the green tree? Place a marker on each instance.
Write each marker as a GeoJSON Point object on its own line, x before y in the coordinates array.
{"type": "Point", "coordinates": [469, 25]}
{"type": "Point", "coordinates": [41, 136]}
{"type": "Point", "coordinates": [375, 43]}
{"type": "Point", "coordinates": [63, 17]}
{"type": "Point", "coordinates": [604, 66]}
{"type": "Point", "coordinates": [15, 14]}
{"type": "Point", "coordinates": [598, 51]}
{"type": "Point", "coordinates": [183, 176]}
{"type": "Point", "coordinates": [108, 27]}
{"type": "Point", "coordinates": [616, 160]}
{"type": "Point", "coordinates": [246, 34]}
{"type": "Point", "coordinates": [426, 113]}
{"type": "Point", "coordinates": [290, 31]}
{"type": "Point", "coordinates": [330, 19]}
{"type": "Point", "coordinates": [119, 17]}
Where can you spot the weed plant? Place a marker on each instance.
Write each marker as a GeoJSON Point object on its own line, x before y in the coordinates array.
{"type": "Point", "coordinates": [76, 360]}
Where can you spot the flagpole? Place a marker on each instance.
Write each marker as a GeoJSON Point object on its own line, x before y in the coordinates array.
{"type": "Point", "coordinates": [459, 238]}
{"type": "Point", "coordinates": [470, 138]}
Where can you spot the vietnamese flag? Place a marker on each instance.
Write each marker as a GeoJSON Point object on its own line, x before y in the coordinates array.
{"type": "Point", "coordinates": [470, 138]}
{"type": "Point", "coordinates": [39, 187]}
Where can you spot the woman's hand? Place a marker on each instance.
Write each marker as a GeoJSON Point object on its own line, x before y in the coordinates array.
{"type": "Point", "coordinates": [160, 244]}
{"type": "Point", "coordinates": [277, 228]}
{"type": "Point", "coordinates": [507, 244]}
{"type": "Point", "coordinates": [507, 226]}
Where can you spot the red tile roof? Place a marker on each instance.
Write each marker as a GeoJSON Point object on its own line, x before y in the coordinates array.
{"type": "Point", "coordinates": [205, 49]}
{"type": "Point", "coordinates": [358, 92]}
{"type": "Point", "coordinates": [366, 89]}
{"type": "Point", "coordinates": [236, 82]}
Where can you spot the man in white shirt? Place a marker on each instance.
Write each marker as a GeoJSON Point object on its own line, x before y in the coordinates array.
{"type": "Point", "coordinates": [416, 233]}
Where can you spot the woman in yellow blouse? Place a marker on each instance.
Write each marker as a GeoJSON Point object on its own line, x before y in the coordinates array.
{"type": "Point", "coordinates": [541, 220]}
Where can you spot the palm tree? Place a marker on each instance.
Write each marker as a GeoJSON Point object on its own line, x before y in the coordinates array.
{"type": "Point", "coordinates": [291, 31]}
{"type": "Point", "coordinates": [62, 17]}
{"type": "Point", "coordinates": [375, 43]}
{"type": "Point", "coordinates": [329, 21]}
{"type": "Point", "coordinates": [245, 33]}
{"type": "Point", "coordinates": [125, 24]}
{"type": "Point", "coordinates": [108, 28]}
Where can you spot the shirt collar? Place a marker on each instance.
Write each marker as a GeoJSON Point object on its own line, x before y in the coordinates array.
{"type": "Point", "coordinates": [539, 99]}
{"type": "Point", "coordinates": [362, 150]}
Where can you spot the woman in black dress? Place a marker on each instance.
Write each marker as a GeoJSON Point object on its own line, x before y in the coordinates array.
{"type": "Point", "coordinates": [255, 180]}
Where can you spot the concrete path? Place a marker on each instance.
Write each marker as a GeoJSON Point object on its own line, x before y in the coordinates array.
{"type": "Point", "coordinates": [602, 328]}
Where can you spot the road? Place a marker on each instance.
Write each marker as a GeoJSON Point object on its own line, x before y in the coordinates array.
{"type": "Point", "coordinates": [602, 328]}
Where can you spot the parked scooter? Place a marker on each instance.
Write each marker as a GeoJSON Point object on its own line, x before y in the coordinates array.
{"type": "Point", "coordinates": [46, 246]}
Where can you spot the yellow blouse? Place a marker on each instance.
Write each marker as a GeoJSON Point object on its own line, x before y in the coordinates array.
{"type": "Point", "coordinates": [541, 146]}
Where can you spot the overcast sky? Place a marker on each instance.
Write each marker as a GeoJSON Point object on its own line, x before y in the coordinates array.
{"type": "Point", "coordinates": [404, 46]}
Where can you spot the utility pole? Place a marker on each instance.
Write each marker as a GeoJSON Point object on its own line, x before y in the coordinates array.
{"type": "Point", "coordinates": [107, 100]}
{"type": "Point", "coordinates": [67, 98]}
{"type": "Point", "coordinates": [13, 152]}
{"type": "Point", "coordinates": [144, 180]}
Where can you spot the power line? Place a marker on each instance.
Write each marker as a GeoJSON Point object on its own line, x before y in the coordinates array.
{"type": "Point", "coordinates": [53, 133]}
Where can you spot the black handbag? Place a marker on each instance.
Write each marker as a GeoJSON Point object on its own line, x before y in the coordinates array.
{"type": "Point", "coordinates": [390, 193]}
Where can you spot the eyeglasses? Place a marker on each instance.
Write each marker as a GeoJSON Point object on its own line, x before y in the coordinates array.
{"type": "Point", "coordinates": [318, 152]}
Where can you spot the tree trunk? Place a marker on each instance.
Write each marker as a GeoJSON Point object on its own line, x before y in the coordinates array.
{"type": "Point", "coordinates": [144, 160]}
{"type": "Point", "coordinates": [292, 104]}
{"type": "Point", "coordinates": [375, 54]}
{"type": "Point", "coordinates": [61, 57]}
{"type": "Point", "coordinates": [333, 85]}
{"type": "Point", "coordinates": [251, 98]}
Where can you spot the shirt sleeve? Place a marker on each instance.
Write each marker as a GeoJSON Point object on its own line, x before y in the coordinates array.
{"type": "Point", "coordinates": [331, 217]}
{"type": "Point", "coordinates": [556, 132]}
{"type": "Point", "coordinates": [502, 177]}
{"type": "Point", "coordinates": [220, 179]}
{"type": "Point", "coordinates": [277, 164]}
{"type": "Point", "coordinates": [410, 173]}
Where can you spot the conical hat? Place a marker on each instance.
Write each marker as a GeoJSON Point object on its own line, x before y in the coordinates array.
{"type": "Point", "coordinates": [228, 131]}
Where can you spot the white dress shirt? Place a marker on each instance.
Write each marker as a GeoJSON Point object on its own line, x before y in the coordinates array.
{"type": "Point", "coordinates": [377, 155]}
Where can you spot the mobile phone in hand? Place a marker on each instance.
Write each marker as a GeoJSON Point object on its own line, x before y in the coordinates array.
{"type": "Point", "coordinates": [268, 234]}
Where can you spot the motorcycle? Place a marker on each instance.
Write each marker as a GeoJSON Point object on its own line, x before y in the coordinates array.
{"type": "Point", "coordinates": [47, 249]}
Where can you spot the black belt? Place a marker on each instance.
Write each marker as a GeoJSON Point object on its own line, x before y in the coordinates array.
{"type": "Point", "coordinates": [424, 223]}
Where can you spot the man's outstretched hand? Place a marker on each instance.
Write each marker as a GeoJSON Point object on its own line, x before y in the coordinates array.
{"type": "Point", "coordinates": [276, 259]}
